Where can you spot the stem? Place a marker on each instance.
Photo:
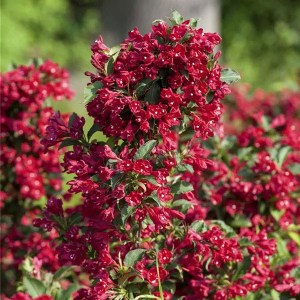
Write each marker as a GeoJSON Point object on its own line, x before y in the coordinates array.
{"type": "Point", "coordinates": [158, 276]}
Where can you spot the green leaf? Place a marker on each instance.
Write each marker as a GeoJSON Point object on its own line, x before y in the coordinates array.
{"type": "Point", "coordinates": [227, 229]}
{"type": "Point", "coordinates": [133, 256]}
{"type": "Point", "coordinates": [116, 180]}
{"type": "Point", "coordinates": [194, 22]}
{"type": "Point", "coordinates": [184, 168]}
{"type": "Point", "coordinates": [74, 219]}
{"type": "Point", "coordinates": [33, 286]}
{"type": "Point", "coordinates": [62, 273]}
{"type": "Point", "coordinates": [66, 294]}
{"type": "Point", "coordinates": [144, 151]}
{"type": "Point", "coordinates": [95, 127]}
{"type": "Point", "coordinates": [244, 242]}
{"type": "Point", "coordinates": [276, 214]}
{"type": "Point", "coordinates": [181, 187]}
{"type": "Point", "coordinates": [282, 154]}
{"type": "Point", "coordinates": [266, 122]}
{"type": "Point", "coordinates": [229, 76]}
{"type": "Point", "coordinates": [244, 153]}
{"type": "Point", "coordinates": [68, 142]}
{"type": "Point", "coordinates": [155, 198]}
{"type": "Point", "coordinates": [71, 119]}
{"type": "Point", "coordinates": [182, 202]}
{"type": "Point", "coordinates": [199, 226]}
{"type": "Point", "coordinates": [90, 91]}
{"type": "Point", "coordinates": [142, 87]}
{"type": "Point", "coordinates": [240, 221]}
{"type": "Point", "coordinates": [109, 66]}
{"type": "Point", "coordinates": [126, 212]}
{"type": "Point", "coordinates": [37, 61]}
{"type": "Point", "coordinates": [177, 17]}
{"type": "Point", "coordinates": [243, 267]}
{"type": "Point", "coordinates": [157, 21]}
{"type": "Point", "coordinates": [295, 169]}
{"type": "Point", "coordinates": [282, 250]}
{"type": "Point", "coordinates": [152, 96]}
{"type": "Point", "coordinates": [114, 51]}
{"type": "Point", "coordinates": [151, 179]}
{"type": "Point", "coordinates": [295, 237]}
{"type": "Point", "coordinates": [275, 295]}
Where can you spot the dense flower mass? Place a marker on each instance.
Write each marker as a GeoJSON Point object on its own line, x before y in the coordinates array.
{"type": "Point", "coordinates": [175, 203]}
{"type": "Point", "coordinates": [27, 173]}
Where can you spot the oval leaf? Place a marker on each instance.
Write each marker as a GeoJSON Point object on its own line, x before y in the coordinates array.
{"type": "Point", "coordinates": [145, 150]}
{"type": "Point", "coordinates": [133, 256]}
{"type": "Point", "coordinates": [90, 91]}
{"type": "Point", "coordinates": [230, 76]}
{"type": "Point", "coordinates": [33, 286]}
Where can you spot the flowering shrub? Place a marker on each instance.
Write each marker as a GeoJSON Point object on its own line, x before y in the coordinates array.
{"type": "Point", "coordinates": [254, 187]}
{"type": "Point", "coordinates": [144, 233]}
{"type": "Point", "coordinates": [28, 175]}
{"type": "Point", "coordinates": [175, 203]}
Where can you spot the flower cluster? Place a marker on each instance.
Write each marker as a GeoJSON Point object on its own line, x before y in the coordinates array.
{"type": "Point", "coordinates": [28, 175]}
{"type": "Point", "coordinates": [255, 183]}
{"type": "Point", "coordinates": [143, 230]}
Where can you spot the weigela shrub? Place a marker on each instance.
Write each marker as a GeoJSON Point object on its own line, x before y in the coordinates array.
{"type": "Point", "coordinates": [254, 186]}
{"type": "Point", "coordinates": [144, 231]}
{"type": "Point", "coordinates": [28, 175]}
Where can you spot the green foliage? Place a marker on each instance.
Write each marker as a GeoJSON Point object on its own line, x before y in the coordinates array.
{"type": "Point", "coordinates": [261, 39]}
{"type": "Point", "coordinates": [58, 29]}
{"type": "Point", "coordinates": [133, 256]}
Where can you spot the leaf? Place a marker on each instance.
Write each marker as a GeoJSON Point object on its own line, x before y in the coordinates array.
{"type": "Point", "coordinates": [66, 294]}
{"type": "Point", "coordinates": [295, 169]}
{"type": "Point", "coordinates": [71, 119]}
{"type": "Point", "coordinates": [229, 76]}
{"type": "Point", "coordinates": [90, 91]}
{"type": "Point", "coordinates": [109, 66]}
{"type": "Point", "coordinates": [184, 168]}
{"type": "Point", "coordinates": [33, 286]}
{"type": "Point", "coordinates": [282, 154]}
{"type": "Point", "coordinates": [151, 179]}
{"type": "Point", "coordinates": [240, 221]}
{"type": "Point", "coordinates": [116, 180]}
{"type": "Point", "coordinates": [199, 226]}
{"type": "Point", "coordinates": [142, 87]}
{"type": "Point", "coordinates": [126, 212]}
{"type": "Point", "coordinates": [243, 267]}
{"type": "Point", "coordinates": [133, 256]}
{"type": "Point", "coordinates": [62, 273]}
{"type": "Point", "coordinates": [154, 197]}
{"type": "Point", "coordinates": [181, 187]}
{"type": "Point", "coordinates": [244, 242]}
{"type": "Point", "coordinates": [275, 295]}
{"type": "Point", "coordinates": [266, 122]}
{"type": "Point", "coordinates": [114, 51]}
{"type": "Point", "coordinates": [157, 21]}
{"type": "Point", "coordinates": [144, 151]}
{"type": "Point", "coordinates": [276, 214]}
{"type": "Point", "coordinates": [74, 219]}
{"type": "Point", "coordinates": [227, 229]}
{"type": "Point", "coordinates": [177, 17]}
{"type": "Point", "coordinates": [152, 96]}
{"type": "Point", "coordinates": [94, 128]}
{"type": "Point", "coordinates": [295, 237]}
{"type": "Point", "coordinates": [194, 22]}
{"type": "Point", "coordinates": [182, 202]}
{"type": "Point", "coordinates": [68, 142]}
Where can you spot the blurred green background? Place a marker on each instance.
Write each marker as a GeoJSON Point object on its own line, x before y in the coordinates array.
{"type": "Point", "coordinates": [261, 39]}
